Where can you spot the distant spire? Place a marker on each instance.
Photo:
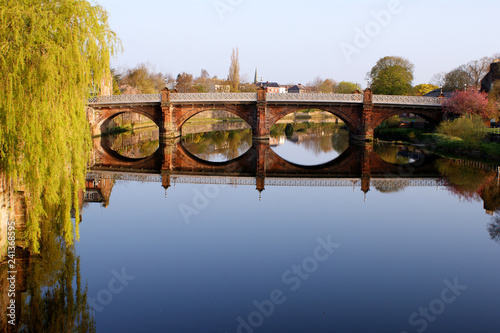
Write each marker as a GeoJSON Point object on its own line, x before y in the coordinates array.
{"type": "Point", "coordinates": [255, 80]}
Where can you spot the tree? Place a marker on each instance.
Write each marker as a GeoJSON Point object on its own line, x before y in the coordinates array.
{"type": "Point", "coordinates": [116, 79]}
{"type": "Point", "coordinates": [423, 89]}
{"type": "Point", "coordinates": [202, 83]}
{"type": "Point", "coordinates": [469, 102]}
{"type": "Point", "coordinates": [477, 70]}
{"type": "Point", "coordinates": [494, 96]}
{"type": "Point", "coordinates": [53, 56]}
{"type": "Point", "coordinates": [345, 87]}
{"type": "Point", "coordinates": [184, 82]}
{"type": "Point", "coordinates": [467, 75]}
{"type": "Point", "coordinates": [322, 86]}
{"type": "Point", "coordinates": [143, 79]}
{"type": "Point", "coordinates": [457, 79]}
{"type": "Point", "coordinates": [392, 76]}
{"type": "Point", "coordinates": [439, 79]}
{"type": "Point", "coordinates": [234, 71]}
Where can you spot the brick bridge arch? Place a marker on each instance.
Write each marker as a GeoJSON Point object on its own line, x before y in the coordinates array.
{"type": "Point", "coordinates": [383, 113]}
{"type": "Point", "coordinates": [182, 113]}
{"type": "Point", "coordinates": [345, 113]}
{"type": "Point", "coordinates": [104, 115]}
{"type": "Point", "coordinates": [104, 156]}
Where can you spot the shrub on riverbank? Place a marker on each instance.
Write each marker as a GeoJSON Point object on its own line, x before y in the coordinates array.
{"type": "Point", "coordinates": [470, 129]}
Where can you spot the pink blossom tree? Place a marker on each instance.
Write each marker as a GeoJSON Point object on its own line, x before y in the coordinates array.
{"type": "Point", "coordinates": [468, 103]}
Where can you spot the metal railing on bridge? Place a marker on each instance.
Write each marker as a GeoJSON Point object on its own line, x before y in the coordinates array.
{"type": "Point", "coordinates": [269, 181]}
{"type": "Point", "coordinates": [407, 100]}
{"type": "Point", "coordinates": [126, 99]}
{"type": "Point", "coordinates": [315, 97]}
{"type": "Point", "coordinates": [213, 97]}
{"type": "Point", "coordinates": [271, 97]}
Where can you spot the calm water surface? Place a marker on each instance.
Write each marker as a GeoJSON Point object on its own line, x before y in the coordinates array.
{"type": "Point", "coordinates": [215, 258]}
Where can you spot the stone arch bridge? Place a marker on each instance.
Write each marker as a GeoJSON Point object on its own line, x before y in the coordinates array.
{"type": "Point", "coordinates": [362, 113]}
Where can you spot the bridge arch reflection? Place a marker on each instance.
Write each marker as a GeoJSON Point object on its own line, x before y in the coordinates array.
{"type": "Point", "coordinates": [260, 166]}
{"type": "Point", "coordinates": [338, 112]}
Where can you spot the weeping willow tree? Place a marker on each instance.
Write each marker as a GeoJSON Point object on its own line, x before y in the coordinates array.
{"type": "Point", "coordinates": [52, 56]}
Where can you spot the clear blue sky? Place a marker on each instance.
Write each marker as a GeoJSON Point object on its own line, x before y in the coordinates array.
{"type": "Point", "coordinates": [294, 41]}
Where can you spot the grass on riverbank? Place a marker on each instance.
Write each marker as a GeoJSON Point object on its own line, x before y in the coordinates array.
{"type": "Point", "coordinates": [446, 146]}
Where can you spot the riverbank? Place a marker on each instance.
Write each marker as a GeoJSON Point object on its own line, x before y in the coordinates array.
{"type": "Point", "coordinates": [445, 146]}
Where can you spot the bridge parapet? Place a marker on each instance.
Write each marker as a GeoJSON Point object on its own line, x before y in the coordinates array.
{"type": "Point", "coordinates": [269, 181]}
{"type": "Point", "coordinates": [315, 97]}
{"type": "Point", "coordinates": [407, 100]}
{"type": "Point", "coordinates": [213, 97]}
{"type": "Point", "coordinates": [252, 97]}
{"type": "Point", "coordinates": [125, 99]}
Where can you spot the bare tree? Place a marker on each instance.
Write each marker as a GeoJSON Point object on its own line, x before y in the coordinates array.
{"type": "Point", "coordinates": [477, 70]}
{"type": "Point", "coordinates": [439, 79]}
{"type": "Point", "coordinates": [234, 71]}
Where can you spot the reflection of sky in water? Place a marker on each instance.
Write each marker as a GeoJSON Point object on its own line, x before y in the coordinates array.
{"type": "Point", "coordinates": [297, 153]}
{"type": "Point", "coordinates": [395, 252]}
{"type": "Point", "coordinates": [222, 156]}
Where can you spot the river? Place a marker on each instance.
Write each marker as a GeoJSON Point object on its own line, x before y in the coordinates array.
{"type": "Point", "coordinates": [297, 235]}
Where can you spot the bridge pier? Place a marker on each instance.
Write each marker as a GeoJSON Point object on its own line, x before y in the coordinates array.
{"type": "Point", "coordinates": [167, 148]}
{"type": "Point", "coordinates": [365, 127]}
{"type": "Point", "coordinates": [262, 149]}
{"type": "Point", "coordinates": [261, 130]}
{"type": "Point", "coordinates": [167, 128]}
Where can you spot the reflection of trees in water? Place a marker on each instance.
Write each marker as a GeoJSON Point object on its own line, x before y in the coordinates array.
{"type": "Point", "coordinates": [50, 296]}
{"type": "Point", "coordinates": [391, 189]}
{"type": "Point", "coordinates": [56, 301]}
{"type": "Point", "coordinates": [315, 137]}
{"type": "Point", "coordinates": [471, 183]}
{"type": "Point", "coordinates": [138, 144]}
{"type": "Point", "coordinates": [465, 181]}
{"type": "Point", "coordinates": [395, 154]}
{"type": "Point", "coordinates": [228, 144]}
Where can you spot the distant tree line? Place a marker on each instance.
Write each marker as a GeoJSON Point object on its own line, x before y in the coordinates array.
{"type": "Point", "coordinates": [391, 75]}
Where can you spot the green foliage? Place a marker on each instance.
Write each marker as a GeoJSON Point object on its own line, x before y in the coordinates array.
{"type": "Point", "coordinates": [470, 129]}
{"type": "Point", "coordinates": [51, 54]}
{"type": "Point", "coordinates": [466, 177]}
{"type": "Point", "coordinates": [223, 143]}
{"type": "Point", "coordinates": [116, 80]}
{"type": "Point", "coordinates": [289, 130]}
{"type": "Point", "coordinates": [423, 89]}
{"type": "Point", "coordinates": [392, 76]}
{"type": "Point", "coordinates": [143, 79]}
{"type": "Point", "coordinates": [494, 97]}
{"type": "Point", "coordinates": [392, 122]}
{"type": "Point", "coordinates": [345, 87]}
